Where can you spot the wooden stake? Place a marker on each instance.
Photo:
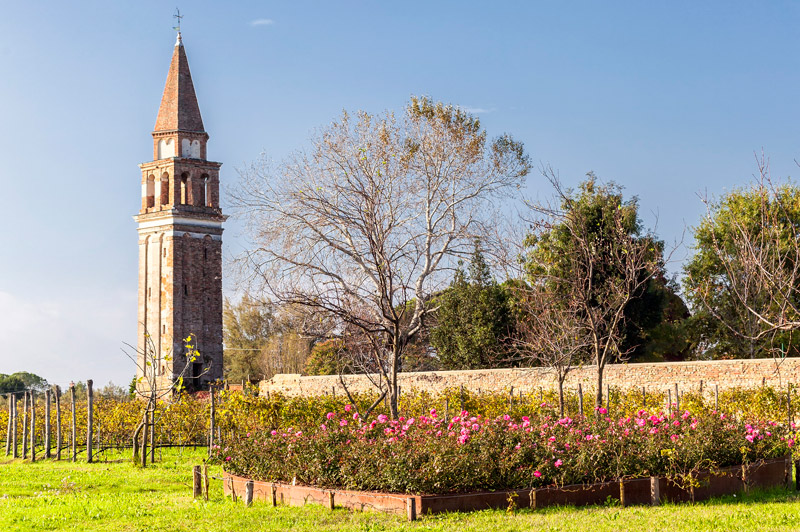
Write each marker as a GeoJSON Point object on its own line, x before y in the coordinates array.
{"type": "Point", "coordinates": [274, 496]}
{"type": "Point", "coordinates": [73, 427]}
{"type": "Point", "coordinates": [33, 426]}
{"type": "Point", "coordinates": [716, 397]}
{"type": "Point", "coordinates": [655, 491]}
{"type": "Point", "coordinates": [533, 499]}
{"type": "Point", "coordinates": [212, 422]}
{"type": "Point", "coordinates": [677, 399]}
{"type": "Point", "coordinates": [8, 429]}
{"type": "Point", "coordinates": [669, 401]}
{"type": "Point", "coordinates": [47, 397]}
{"type": "Point", "coordinates": [89, 419]}
{"type": "Point", "coordinates": [580, 399]}
{"type": "Point", "coordinates": [248, 493]}
{"type": "Point", "coordinates": [644, 397]}
{"type": "Point", "coordinates": [608, 397]}
{"type": "Point", "coordinates": [331, 502]}
{"type": "Point", "coordinates": [789, 417]}
{"type": "Point", "coordinates": [25, 428]}
{"type": "Point", "coordinates": [14, 425]}
{"type": "Point", "coordinates": [411, 508]}
{"type": "Point", "coordinates": [622, 493]}
{"type": "Point", "coordinates": [446, 411]}
{"type": "Point", "coordinates": [197, 482]}
{"type": "Point", "coordinates": [205, 480]}
{"type": "Point", "coordinates": [58, 422]}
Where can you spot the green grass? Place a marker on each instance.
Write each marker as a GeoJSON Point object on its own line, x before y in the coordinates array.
{"type": "Point", "coordinates": [118, 496]}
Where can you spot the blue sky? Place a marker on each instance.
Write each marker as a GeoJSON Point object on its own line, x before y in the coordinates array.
{"type": "Point", "coordinates": [669, 99]}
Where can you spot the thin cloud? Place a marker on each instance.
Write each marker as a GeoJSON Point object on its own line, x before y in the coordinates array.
{"type": "Point", "coordinates": [478, 110]}
{"type": "Point", "coordinates": [262, 22]}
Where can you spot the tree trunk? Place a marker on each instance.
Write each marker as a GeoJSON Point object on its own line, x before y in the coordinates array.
{"type": "Point", "coordinates": [136, 434]}
{"type": "Point", "coordinates": [89, 419]}
{"type": "Point", "coordinates": [153, 436]}
{"type": "Point", "coordinates": [598, 399]}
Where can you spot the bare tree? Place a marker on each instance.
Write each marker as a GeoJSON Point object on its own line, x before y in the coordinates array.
{"type": "Point", "coordinates": [588, 251]}
{"type": "Point", "coordinates": [365, 223]}
{"type": "Point", "coordinates": [549, 331]}
{"type": "Point", "coordinates": [752, 235]}
{"type": "Point", "coordinates": [153, 386]}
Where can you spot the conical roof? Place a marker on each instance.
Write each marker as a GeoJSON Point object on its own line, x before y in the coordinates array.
{"type": "Point", "coordinates": [179, 109]}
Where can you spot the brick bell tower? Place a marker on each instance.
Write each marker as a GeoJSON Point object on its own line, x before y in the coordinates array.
{"type": "Point", "coordinates": [180, 240]}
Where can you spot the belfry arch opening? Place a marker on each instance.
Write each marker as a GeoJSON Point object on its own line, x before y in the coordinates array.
{"type": "Point", "coordinates": [164, 192]}
{"type": "Point", "coordinates": [150, 192]}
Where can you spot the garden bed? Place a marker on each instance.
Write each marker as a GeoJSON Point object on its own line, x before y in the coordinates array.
{"type": "Point", "coordinates": [723, 481]}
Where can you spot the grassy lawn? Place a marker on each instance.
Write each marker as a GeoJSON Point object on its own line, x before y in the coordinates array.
{"type": "Point", "coordinates": [115, 495]}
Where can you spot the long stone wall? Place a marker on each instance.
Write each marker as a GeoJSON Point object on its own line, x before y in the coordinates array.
{"type": "Point", "coordinates": [660, 376]}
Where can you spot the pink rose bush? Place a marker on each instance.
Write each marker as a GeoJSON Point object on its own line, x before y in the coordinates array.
{"type": "Point", "coordinates": [428, 454]}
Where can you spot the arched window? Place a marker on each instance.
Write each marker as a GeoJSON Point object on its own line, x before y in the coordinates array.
{"type": "Point", "coordinates": [209, 203]}
{"type": "Point", "coordinates": [150, 192]}
{"type": "Point", "coordinates": [164, 200]}
{"type": "Point", "coordinates": [201, 191]}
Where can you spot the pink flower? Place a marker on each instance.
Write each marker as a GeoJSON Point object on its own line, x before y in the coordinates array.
{"type": "Point", "coordinates": [537, 474]}
{"type": "Point", "coordinates": [558, 463]}
{"type": "Point", "coordinates": [383, 418]}
{"type": "Point", "coordinates": [330, 415]}
{"type": "Point", "coordinates": [274, 432]}
{"type": "Point", "coordinates": [674, 437]}
{"type": "Point", "coordinates": [342, 423]}
{"type": "Point", "coordinates": [749, 438]}
{"type": "Point", "coordinates": [602, 410]}
{"type": "Point", "coordinates": [347, 408]}
{"type": "Point", "coordinates": [355, 417]}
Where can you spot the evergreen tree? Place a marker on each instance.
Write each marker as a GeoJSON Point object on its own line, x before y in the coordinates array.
{"type": "Point", "coordinates": [473, 321]}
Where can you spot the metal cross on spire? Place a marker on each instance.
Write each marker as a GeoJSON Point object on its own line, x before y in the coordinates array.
{"type": "Point", "coordinates": [177, 16]}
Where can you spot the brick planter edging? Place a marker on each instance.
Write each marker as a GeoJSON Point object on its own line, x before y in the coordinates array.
{"type": "Point", "coordinates": [724, 481]}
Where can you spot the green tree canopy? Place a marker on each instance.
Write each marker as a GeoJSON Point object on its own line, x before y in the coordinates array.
{"type": "Point", "coordinates": [599, 214]}
{"type": "Point", "coordinates": [247, 327]}
{"type": "Point", "coordinates": [473, 320]}
{"type": "Point", "coordinates": [719, 283]}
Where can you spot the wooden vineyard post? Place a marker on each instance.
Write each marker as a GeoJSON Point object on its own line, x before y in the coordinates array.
{"type": "Point", "coordinates": [644, 397]}
{"type": "Point", "coordinates": [74, 453]}
{"type": "Point", "coordinates": [580, 399]}
{"type": "Point", "coordinates": [89, 419]}
{"type": "Point", "coordinates": [331, 499]}
{"type": "Point", "coordinates": [462, 399]}
{"type": "Point", "coordinates": [716, 397]}
{"type": "Point", "coordinates": [25, 427]}
{"type": "Point", "coordinates": [789, 406]}
{"type": "Point", "coordinates": [677, 400]}
{"type": "Point", "coordinates": [8, 429]}
{"type": "Point", "coordinates": [205, 480]}
{"type": "Point", "coordinates": [212, 422]}
{"type": "Point", "coordinates": [33, 426]}
{"type": "Point", "coordinates": [669, 400]}
{"type": "Point", "coordinates": [622, 493]}
{"type": "Point", "coordinates": [608, 398]}
{"type": "Point", "coordinates": [446, 411]}
{"type": "Point", "coordinates": [47, 394]}
{"type": "Point", "coordinates": [58, 422]}
{"type": "Point", "coordinates": [15, 453]}
{"type": "Point", "coordinates": [197, 483]}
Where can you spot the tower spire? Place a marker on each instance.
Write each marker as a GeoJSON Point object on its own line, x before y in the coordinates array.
{"type": "Point", "coordinates": [179, 109]}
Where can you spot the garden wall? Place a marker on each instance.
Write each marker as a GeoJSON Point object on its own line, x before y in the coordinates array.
{"type": "Point", "coordinates": [689, 376]}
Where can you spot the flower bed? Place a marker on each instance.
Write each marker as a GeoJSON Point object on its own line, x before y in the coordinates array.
{"type": "Point", "coordinates": [429, 455]}
{"type": "Point", "coordinates": [654, 490]}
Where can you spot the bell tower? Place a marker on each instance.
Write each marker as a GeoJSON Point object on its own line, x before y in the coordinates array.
{"type": "Point", "coordinates": [180, 241]}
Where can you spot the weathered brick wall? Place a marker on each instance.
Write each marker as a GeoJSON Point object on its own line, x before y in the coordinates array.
{"type": "Point", "coordinates": [688, 376]}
